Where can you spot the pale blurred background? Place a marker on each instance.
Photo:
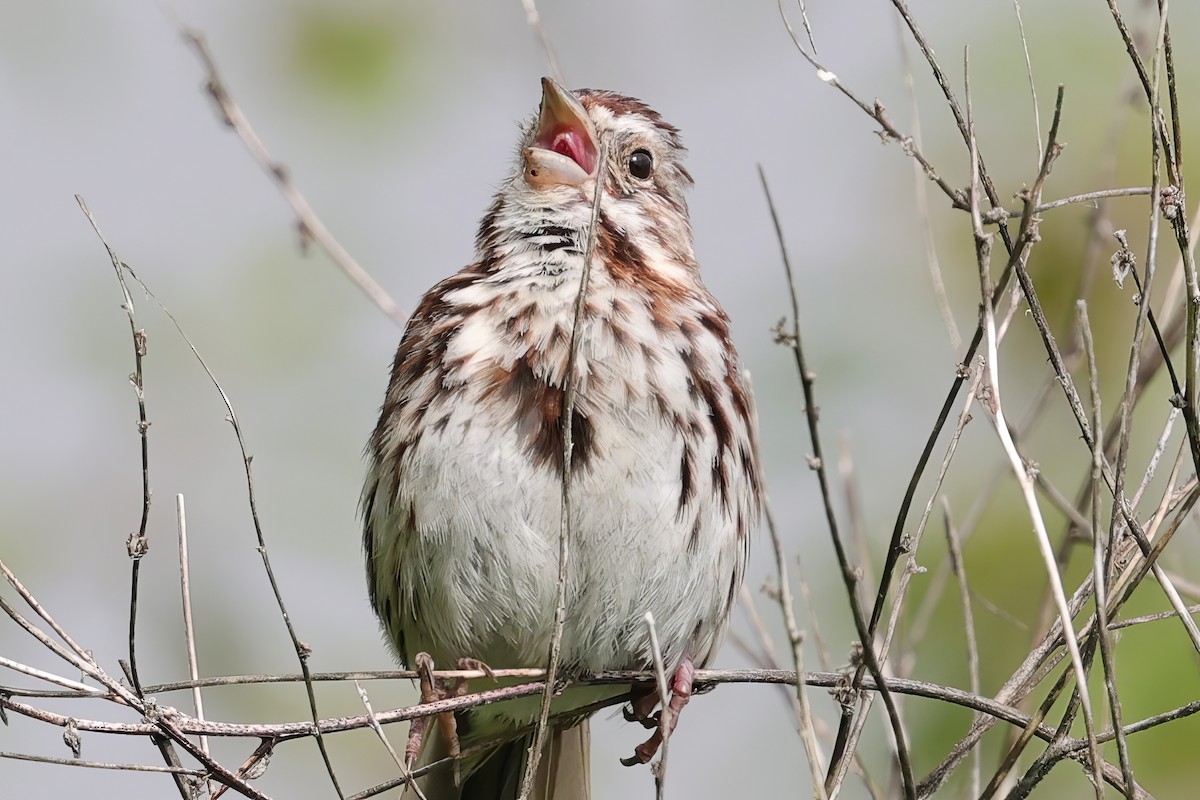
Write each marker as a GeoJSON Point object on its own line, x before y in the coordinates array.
{"type": "Point", "coordinates": [398, 120]}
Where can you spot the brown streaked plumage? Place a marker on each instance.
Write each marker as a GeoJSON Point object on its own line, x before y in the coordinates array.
{"type": "Point", "coordinates": [461, 504]}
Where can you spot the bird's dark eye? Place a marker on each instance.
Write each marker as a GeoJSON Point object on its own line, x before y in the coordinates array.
{"type": "Point", "coordinates": [641, 163]}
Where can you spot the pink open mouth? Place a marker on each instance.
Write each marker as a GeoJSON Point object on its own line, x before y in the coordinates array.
{"type": "Point", "coordinates": [564, 150]}
{"type": "Point", "coordinates": [571, 142]}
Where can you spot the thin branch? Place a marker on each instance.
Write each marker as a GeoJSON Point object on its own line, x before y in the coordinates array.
{"type": "Point", "coordinates": [568, 447]}
{"type": "Point", "coordinates": [1099, 552]}
{"type": "Point", "coordinates": [185, 585]}
{"type": "Point", "coordinates": [375, 726]}
{"type": "Point", "coordinates": [1127, 623]}
{"type": "Point", "coordinates": [958, 199]}
{"type": "Point", "coordinates": [137, 544]}
{"type": "Point", "coordinates": [704, 679]}
{"type": "Point", "coordinates": [1172, 197]}
{"type": "Point", "coordinates": [1077, 408]}
{"type": "Point", "coordinates": [849, 575]}
{"type": "Point", "coordinates": [1020, 471]}
{"type": "Point", "coordinates": [535, 21]}
{"type": "Point", "coordinates": [310, 226]}
{"type": "Point", "coordinates": [786, 606]}
{"type": "Point", "coordinates": [302, 650]}
{"type": "Point", "coordinates": [921, 195]}
{"type": "Point", "coordinates": [959, 567]}
{"type": "Point", "coordinates": [966, 526]}
{"type": "Point", "coordinates": [960, 426]}
{"type": "Point", "coordinates": [877, 112]}
{"type": "Point", "coordinates": [77, 689]}
{"type": "Point", "coordinates": [1174, 208]}
{"type": "Point", "coordinates": [1037, 120]}
{"type": "Point", "coordinates": [911, 546]}
{"type": "Point", "coordinates": [1130, 47]}
{"type": "Point", "coordinates": [659, 769]}
{"type": "Point", "coordinates": [1085, 197]}
{"type": "Point", "coordinates": [1192, 422]}
{"type": "Point", "coordinates": [179, 772]}
{"type": "Point", "coordinates": [807, 26]}
{"type": "Point", "coordinates": [1027, 675]}
{"type": "Point", "coordinates": [82, 659]}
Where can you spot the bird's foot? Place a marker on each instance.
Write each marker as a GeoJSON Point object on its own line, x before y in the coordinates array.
{"type": "Point", "coordinates": [668, 718]}
{"type": "Point", "coordinates": [475, 664]}
{"type": "Point", "coordinates": [430, 692]}
{"type": "Point", "coordinates": [641, 710]}
{"type": "Point", "coordinates": [433, 690]}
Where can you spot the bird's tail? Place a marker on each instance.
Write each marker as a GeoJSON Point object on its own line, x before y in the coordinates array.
{"type": "Point", "coordinates": [564, 770]}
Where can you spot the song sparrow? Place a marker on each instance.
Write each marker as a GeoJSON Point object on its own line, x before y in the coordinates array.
{"type": "Point", "coordinates": [462, 500]}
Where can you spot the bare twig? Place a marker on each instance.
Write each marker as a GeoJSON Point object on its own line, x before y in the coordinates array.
{"type": "Point", "coordinates": [787, 608]}
{"type": "Point", "coordinates": [703, 679]}
{"type": "Point", "coordinates": [921, 195]}
{"type": "Point", "coordinates": [1085, 197]}
{"type": "Point", "coordinates": [310, 225]}
{"type": "Point", "coordinates": [302, 650]}
{"type": "Point", "coordinates": [1037, 119]}
{"type": "Point", "coordinates": [375, 726]}
{"type": "Point", "coordinates": [1020, 470]}
{"type": "Point", "coordinates": [157, 723]}
{"type": "Point", "coordinates": [807, 26]}
{"type": "Point", "coordinates": [1100, 549]}
{"type": "Point", "coordinates": [910, 547]}
{"type": "Point", "coordinates": [664, 698]}
{"type": "Point", "coordinates": [535, 21]}
{"type": "Point", "coordinates": [77, 762]}
{"type": "Point", "coordinates": [877, 112]}
{"type": "Point", "coordinates": [185, 586]}
{"type": "Point", "coordinates": [77, 689]}
{"type": "Point", "coordinates": [1164, 147]}
{"type": "Point", "coordinates": [566, 422]}
{"type": "Point", "coordinates": [959, 567]}
{"type": "Point", "coordinates": [808, 736]}
{"type": "Point", "coordinates": [850, 576]}
{"type": "Point", "coordinates": [138, 544]}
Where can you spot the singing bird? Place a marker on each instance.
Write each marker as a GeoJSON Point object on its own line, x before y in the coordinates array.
{"type": "Point", "coordinates": [462, 504]}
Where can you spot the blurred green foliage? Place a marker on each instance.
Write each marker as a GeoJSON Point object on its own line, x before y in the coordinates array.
{"type": "Point", "coordinates": [357, 56]}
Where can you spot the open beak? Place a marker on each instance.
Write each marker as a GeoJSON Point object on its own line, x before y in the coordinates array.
{"type": "Point", "coordinates": [564, 149]}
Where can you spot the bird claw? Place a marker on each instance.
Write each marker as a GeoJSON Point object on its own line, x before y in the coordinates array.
{"type": "Point", "coordinates": [416, 733]}
{"type": "Point", "coordinates": [476, 664]}
{"type": "Point", "coordinates": [423, 664]}
{"type": "Point", "coordinates": [432, 691]}
{"type": "Point", "coordinates": [667, 718]}
{"type": "Point", "coordinates": [632, 714]}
